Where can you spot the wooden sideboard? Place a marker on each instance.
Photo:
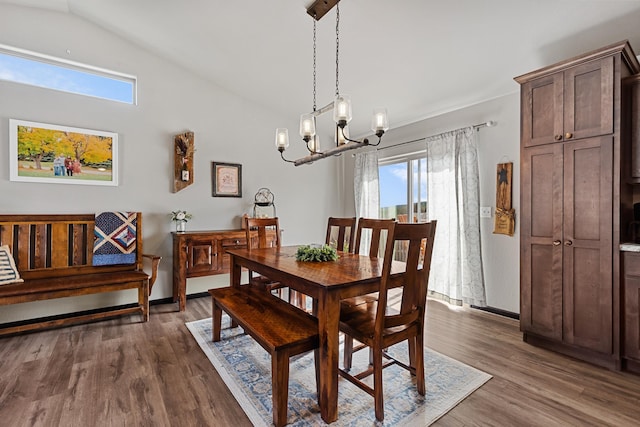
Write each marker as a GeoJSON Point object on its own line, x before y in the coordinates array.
{"type": "Point", "coordinates": [201, 253]}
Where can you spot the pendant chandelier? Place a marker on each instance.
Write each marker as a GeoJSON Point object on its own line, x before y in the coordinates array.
{"type": "Point", "coordinates": [341, 107]}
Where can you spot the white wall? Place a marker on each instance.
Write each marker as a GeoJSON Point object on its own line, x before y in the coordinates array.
{"type": "Point", "coordinates": [500, 253]}
{"type": "Point", "coordinates": [171, 101]}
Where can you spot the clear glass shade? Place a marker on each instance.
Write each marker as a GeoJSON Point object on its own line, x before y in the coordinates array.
{"type": "Point", "coordinates": [307, 126]}
{"type": "Point", "coordinates": [379, 120]}
{"type": "Point", "coordinates": [342, 109]}
{"type": "Point", "coordinates": [282, 138]}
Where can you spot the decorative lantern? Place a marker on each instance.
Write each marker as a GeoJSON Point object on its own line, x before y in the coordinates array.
{"type": "Point", "coordinates": [263, 206]}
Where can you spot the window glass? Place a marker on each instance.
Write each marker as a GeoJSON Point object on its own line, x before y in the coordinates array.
{"type": "Point", "coordinates": [393, 190]}
{"type": "Point", "coordinates": [52, 73]}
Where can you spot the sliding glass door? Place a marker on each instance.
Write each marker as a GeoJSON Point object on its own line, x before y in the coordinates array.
{"type": "Point", "coordinates": [403, 189]}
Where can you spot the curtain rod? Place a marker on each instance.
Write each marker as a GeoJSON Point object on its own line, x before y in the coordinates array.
{"type": "Point", "coordinates": [490, 123]}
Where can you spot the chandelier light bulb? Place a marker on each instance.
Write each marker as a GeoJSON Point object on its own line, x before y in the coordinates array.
{"type": "Point", "coordinates": [342, 110]}
{"type": "Point", "coordinates": [379, 121]}
{"type": "Point", "coordinates": [282, 139]}
{"type": "Point", "coordinates": [307, 126]}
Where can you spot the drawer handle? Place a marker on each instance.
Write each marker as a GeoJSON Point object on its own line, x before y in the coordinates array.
{"type": "Point", "coordinates": [568, 135]}
{"type": "Point", "coordinates": [568, 243]}
{"type": "Point", "coordinates": [556, 243]}
{"type": "Point", "coordinates": [237, 242]}
{"type": "Point", "coordinates": [558, 137]}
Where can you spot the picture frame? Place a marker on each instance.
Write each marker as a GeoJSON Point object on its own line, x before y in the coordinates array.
{"type": "Point", "coordinates": [226, 179]}
{"type": "Point", "coordinates": [56, 154]}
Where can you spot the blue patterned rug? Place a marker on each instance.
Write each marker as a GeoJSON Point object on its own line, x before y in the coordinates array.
{"type": "Point", "coordinates": [245, 368]}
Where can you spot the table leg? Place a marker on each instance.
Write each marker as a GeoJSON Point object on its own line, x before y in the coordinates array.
{"type": "Point", "coordinates": [328, 323]}
{"type": "Point", "coordinates": [235, 275]}
{"type": "Point", "coordinates": [180, 275]}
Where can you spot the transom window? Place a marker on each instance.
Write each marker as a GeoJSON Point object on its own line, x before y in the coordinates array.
{"type": "Point", "coordinates": [26, 67]}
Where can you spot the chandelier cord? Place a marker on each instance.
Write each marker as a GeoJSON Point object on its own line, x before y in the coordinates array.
{"type": "Point", "coordinates": [314, 63]}
{"type": "Point", "coordinates": [337, 45]}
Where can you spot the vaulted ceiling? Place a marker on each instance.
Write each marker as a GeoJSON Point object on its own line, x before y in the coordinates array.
{"type": "Point", "coordinates": [419, 58]}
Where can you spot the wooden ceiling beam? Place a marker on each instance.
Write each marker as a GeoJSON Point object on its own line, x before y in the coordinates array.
{"type": "Point", "coordinates": [319, 8]}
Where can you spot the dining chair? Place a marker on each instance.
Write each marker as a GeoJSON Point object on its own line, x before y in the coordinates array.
{"type": "Point", "coordinates": [265, 233]}
{"type": "Point", "coordinates": [374, 233]}
{"type": "Point", "coordinates": [346, 228]}
{"type": "Point", "coordinates": [379, 326]}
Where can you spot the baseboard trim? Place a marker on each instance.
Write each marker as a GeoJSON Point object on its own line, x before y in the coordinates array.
{"type": "Point", "coordinates": [66, 316]}
{"type": "Point", "coordinates": [499, 311]}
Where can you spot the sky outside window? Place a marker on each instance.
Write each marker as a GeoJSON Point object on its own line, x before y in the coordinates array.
{"type": "Point", "coordinates": [64, 78]}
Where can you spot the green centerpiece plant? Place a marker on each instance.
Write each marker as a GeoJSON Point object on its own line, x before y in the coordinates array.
{"type": "Point", "coordinates": [316, 253]}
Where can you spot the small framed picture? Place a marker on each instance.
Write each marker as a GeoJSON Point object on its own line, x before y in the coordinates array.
{"type": "Point", "coordinates": [226, 179]}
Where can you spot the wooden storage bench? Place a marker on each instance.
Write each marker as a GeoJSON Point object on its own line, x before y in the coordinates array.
{"type": "Point", "coordinates": [54, 256]}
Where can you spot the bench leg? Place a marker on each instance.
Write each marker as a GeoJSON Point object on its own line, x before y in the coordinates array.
{"type": "Point", "coordinates": [216, 320]}
{"type": "Point", "coordinates": [143, 300]}
{"type": "Point", "coordinates": [280, 386]}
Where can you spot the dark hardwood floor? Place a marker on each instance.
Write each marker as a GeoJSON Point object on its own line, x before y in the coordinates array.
{"type": "Point", "coordinates": [124, 373]}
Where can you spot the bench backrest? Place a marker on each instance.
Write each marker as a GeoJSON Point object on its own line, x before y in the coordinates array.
{"type": "Point", "coordinates": [57, 245]}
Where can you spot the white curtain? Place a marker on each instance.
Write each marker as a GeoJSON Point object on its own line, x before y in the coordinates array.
{"type": "Point", "coordinates": [366, 188]}
{"type": "Point", "coordinates": [453, 193]}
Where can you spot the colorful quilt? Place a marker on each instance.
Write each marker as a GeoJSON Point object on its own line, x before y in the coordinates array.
{"type": "Point", "coordinates": [115, 238]}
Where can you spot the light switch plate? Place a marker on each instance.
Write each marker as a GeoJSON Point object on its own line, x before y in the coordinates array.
{"type": "Point", "coordinates": [485, 212]}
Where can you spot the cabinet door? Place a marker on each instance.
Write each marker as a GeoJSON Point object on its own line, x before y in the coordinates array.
{"type": "Point", "coordinates": [587, 243]}
{"type": "Point", "coordinates": [540, 240]}
{"type": "Point", "coordinates": [631, 106]}
{"type": "Point", "coordinates": [225, 245]}
{"type": "Point", "coordinates": [631, 304]}
{"type": "Point", "coordinates": [588, 99]}
{"type": "Point", "coordinates": [202, 256]}
{"type": "Point", "coordinates": [541, 108]}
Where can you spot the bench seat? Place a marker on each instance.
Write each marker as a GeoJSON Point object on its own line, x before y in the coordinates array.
{"type": "Point", "coordinates": [46, 288]}
{"type": "Point", "coordinates": [279, 327]}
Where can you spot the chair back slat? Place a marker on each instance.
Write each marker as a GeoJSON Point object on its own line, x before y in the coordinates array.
{"type": "Point", "coordinates": [346, 233]}
{"type": "Point", "coordinates": [378, 229]}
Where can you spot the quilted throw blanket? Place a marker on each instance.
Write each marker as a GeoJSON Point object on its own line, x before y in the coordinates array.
{"type": "Point", "coordinates": [115, 238]}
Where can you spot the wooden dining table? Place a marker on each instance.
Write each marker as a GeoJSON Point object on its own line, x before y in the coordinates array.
{"type": "Point", "coordinates": [328, 283]}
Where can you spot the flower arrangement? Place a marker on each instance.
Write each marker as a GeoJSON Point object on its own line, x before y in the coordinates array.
{"type": "Point", "coordinates": [316, 253]}
{"type": "Point", "coordinates": [181, 216]}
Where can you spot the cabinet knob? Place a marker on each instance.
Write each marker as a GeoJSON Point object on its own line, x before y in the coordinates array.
{"type": "Point", "coordinates": [558, 137]}
{"type": "Point", "coordinates": [568, 243]}
{"type": "Point", "coordinates": [556, 242]}
{"type": "Point", "coordinates": [568, 135]}
{"type": "Point", "coordinates": [237, 242]}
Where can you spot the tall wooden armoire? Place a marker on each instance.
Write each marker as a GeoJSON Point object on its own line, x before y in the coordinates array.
{"type": "Point", "coordinates": [576, 203]}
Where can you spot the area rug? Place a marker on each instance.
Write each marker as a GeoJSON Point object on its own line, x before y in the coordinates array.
{"type": "Point", "coordinates": [245, 368]}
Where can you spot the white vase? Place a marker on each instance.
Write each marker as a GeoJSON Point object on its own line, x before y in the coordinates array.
{"type": "Point", "coordinates": [181, 226]}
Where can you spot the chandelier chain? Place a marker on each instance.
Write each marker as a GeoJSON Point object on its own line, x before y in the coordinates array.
{"type": "Point", "coordinates": [337, 45]}
{"type": "Point", "coordinates": [314, 64]}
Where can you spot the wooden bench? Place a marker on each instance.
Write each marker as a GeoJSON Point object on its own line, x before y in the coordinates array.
{"type": "Point", "coordinates": [54, 256]}
{"type": "Point", "coordinates": [280, 328]}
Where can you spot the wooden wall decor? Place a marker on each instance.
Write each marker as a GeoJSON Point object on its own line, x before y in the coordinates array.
{"type": "Point", "coordinates": [183, 161]}
{"type": "Point", "coordinates": [505, 220]}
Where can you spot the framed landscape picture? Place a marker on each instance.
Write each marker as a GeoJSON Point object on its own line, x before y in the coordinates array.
{"type": "Point", "coordinates": [226, 179]}
{"type": "Point", "coordinates": [42, 152]}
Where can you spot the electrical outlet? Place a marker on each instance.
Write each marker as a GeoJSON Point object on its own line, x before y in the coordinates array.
{"type": "Point", "coordinates": [485, 212]}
